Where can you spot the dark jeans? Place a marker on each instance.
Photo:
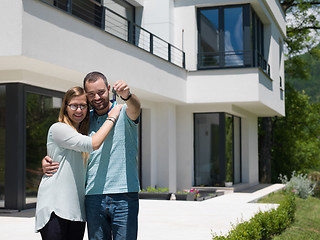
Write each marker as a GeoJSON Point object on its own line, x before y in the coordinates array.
{"type": "Point", "coordinates": [112, 216]}
{"type": "Point", "coordinates": [61, 229]}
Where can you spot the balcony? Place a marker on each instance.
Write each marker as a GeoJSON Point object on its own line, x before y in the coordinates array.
{"type": "Point", "coordinates": [113, 23]}
{"type": "Point", "coordinates": [232, 59]}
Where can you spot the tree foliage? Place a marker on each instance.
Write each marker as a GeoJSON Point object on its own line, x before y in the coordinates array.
{"type": "Point", "coordinates": [302, 29]}
{"type": "Point", "coordinates": [296, 141]}
{"type": "Point", "coordinates": [303, 24]}
{"type": "Point", "coordinates": [312, 85]}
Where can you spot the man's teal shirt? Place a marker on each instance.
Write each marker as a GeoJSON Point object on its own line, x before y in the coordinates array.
{"type": "Point", "coordinates": [113, 167]}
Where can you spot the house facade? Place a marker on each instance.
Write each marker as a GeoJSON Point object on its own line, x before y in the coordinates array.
{"type": "Point", "coordinates": [204, 71]}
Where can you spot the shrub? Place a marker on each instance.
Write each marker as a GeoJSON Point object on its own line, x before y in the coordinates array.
{"type": "Point", "coordinates": [300, 184]}
{"type": "Point", "coordinates": [155, 190]}
{"type": "Point", "coordinates": [264, 225]}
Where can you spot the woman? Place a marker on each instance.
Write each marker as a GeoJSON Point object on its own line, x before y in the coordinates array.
{"type": "Point", "coordinates": [60, 212]}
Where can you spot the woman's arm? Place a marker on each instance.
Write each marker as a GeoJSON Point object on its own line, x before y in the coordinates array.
{"type": "Point", "coordinates": [102, 133]}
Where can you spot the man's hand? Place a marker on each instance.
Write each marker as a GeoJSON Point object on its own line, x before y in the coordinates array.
{"type": "Point", "coordinates": [133, 103]}
{"type": "Point", "coordinates": [122, 89]}
{"type": "Point", "coordinates": [49, 167]}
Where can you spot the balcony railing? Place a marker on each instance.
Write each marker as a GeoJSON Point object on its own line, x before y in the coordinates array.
{"type": "Point", "coordinates": [117, 25]}
{"type": "Point", "coordinates": [212, 60]}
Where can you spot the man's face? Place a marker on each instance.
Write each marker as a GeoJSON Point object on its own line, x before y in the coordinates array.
{"type": "Point", "coordinates": [98, 95]}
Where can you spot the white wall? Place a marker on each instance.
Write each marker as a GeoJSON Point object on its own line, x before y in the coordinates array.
{"type": "Point", "coordinates": [250, 162]}
{"type": "Point", "coordinates": [48, 48]}
{"type": "Point", "coordinates": [11, 27]}
{"type": "Point", "coordinates": [158, 18]}
{"type": "Point", "coordinates": [159, 145]}
{"type": "Point", "coordinates": [64, 42]}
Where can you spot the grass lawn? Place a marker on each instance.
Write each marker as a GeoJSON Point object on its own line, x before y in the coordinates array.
{"type": "Point", "coordinates": [307, 218]}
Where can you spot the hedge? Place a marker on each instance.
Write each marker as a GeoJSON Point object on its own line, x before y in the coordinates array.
{"type": "Point", "coordinates": [264, 225]}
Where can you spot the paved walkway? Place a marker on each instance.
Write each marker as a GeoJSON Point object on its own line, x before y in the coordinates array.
{"type": "Point", "coordinates": [166, 220]}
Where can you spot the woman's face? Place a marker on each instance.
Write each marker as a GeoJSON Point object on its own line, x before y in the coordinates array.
{"type": "Point", "coordinates": [77, 109]}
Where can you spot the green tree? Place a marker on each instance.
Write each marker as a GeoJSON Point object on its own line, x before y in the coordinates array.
{"type": "Point", "coordinates": [311, 86]}
{"type": "Point", "coordinates": [302, 36]}
{"type": "Point", "coordinates": [296, 140]}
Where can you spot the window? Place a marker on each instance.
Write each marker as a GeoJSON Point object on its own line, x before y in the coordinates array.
{"type": "Point", "coordinates": [233, 36]}
{"type": "Point", "coordinates": [119, 14]}
{"type": "Point", "coordinates": [209, 37]}
{"type": "Point", "coordinates": [2, 142]}
{"type": "Point", "coordinates": [217, 149]}
{"type": "Point", "coordinates": [122, 8]}
{"type": "Point", "coordinates": [90, 11]}
{"type": "Point", "coordinates": [230, 36]}
{"type": "Point", "coordinates": [42, 112]}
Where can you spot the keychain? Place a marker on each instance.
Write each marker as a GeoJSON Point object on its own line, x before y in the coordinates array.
{"type": "Point", "coordinates": [114, 95]}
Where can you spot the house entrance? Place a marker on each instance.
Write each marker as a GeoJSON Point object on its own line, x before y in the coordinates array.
{"type": "Point", "coordinates": [217, 150]}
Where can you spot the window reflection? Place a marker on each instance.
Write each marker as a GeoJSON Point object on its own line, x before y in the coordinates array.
{"type": "Point", "coordinates": [2, 142]}
{"type": "Point", "coordinates": [42, 112]}
{"type": "Point", "coordinates": [229, 148]}
{"type": "Point", "coordinates": [217, 149]}
{"type": "Point", "coordinates": [207, 150]}
{"type": "Point", "coordinates": [209, 37]}
{"type": "Point", "coordinates": [90, 11]}
{"type": "Point", "coordinates": [233, 35]}
{"type": "Point", "coordinates": [237, 150]}
{"type": "Point", "coordinates": [230, 36]}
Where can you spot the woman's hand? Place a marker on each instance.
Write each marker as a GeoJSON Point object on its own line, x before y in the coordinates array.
{"type": "Point", "coordinates": [115, 111]}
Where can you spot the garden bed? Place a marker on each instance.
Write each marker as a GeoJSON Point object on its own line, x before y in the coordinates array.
{"type": "Point", "coordinates": [198, 195]}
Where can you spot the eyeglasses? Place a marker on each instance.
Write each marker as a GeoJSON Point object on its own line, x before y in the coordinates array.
{"type": "Point", "coordinates": [74, 107]}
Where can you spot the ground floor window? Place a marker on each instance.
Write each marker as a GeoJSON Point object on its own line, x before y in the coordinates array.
{"type": "Point", "coordinates": [2, 141]}
{"type": "Point", "coordinates": [217, 149]}
{"type": "Point", "coordinates": [27, 112]}
{"type": "Point", "coordinates": [42, 112]}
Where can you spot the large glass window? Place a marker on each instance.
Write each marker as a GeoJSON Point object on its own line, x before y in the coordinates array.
{"type": "Point", "coordinates": [90, 11]}
{"type": "Point", "coordinates": [236, 149]}
{"type": "Point", "coordinates": [112, 16]}
{"type": "Point", "coordinates": [229, 147]}
{"type": "Point", "coordinates": [117, 15]}
{"type": "Point", "coordinates": [217, 149]}
{"type": "Point", "coordinates": [2, 142]}
{"type": "Point", "coordinates": [233, 36]}
{"type": "Point", "coordinates": [42, 112]}
{"type": "Point", "coordinates": [209, 37]}
{"type": "Point", "coordinates": [207, 166]}
{"type": "Point", "coordinates": [229, 36]}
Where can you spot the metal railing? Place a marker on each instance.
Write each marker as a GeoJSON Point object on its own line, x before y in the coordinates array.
{"type": "Point", "coordinates": [119, 26]}
{"type": "Point", "coordinates": [263, 64]}
{"type": "Point", "coordinates": [210, 60]}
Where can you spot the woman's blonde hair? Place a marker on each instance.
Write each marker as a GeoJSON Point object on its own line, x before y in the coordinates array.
{"type": "Point", "coordinates": [64, 117]}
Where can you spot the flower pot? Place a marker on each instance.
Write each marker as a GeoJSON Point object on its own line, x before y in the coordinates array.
{"type": "Point", "coordinates": [228, 184]}
{"type": "Point", "coordinates": [155, 196]}
{"type": "Point", "coordinates": [186, 196]}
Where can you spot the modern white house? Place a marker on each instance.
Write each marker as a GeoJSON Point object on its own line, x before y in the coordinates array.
{"type": "Point", "coordinates": [204, 70]}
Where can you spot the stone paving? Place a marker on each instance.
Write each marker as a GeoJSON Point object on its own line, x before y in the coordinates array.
{"type": "Point", "coordinates": [165, 220]}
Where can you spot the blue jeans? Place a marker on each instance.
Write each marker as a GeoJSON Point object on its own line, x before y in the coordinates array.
{"type": "Point", "coordinates": [112, 216]}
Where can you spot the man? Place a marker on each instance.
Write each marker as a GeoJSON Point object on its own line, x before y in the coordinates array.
{"type": "Point", "coordinates": [112, 187]}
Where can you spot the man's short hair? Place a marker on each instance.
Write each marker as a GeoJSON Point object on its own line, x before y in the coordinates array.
{"type": "Point", "coordinates": [93, 77]}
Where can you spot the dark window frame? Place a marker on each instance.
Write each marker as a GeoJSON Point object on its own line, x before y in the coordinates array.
{"type": "Point", "coordinates": [15, 153]}
{"type": "Point", "coordinates": [222, 146]}
{"type": "Point", "coordinates": [253, 33]}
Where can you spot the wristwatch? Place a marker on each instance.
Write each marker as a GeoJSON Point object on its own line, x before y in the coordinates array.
{"type": "Point", "coordinates": [126, 99]}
